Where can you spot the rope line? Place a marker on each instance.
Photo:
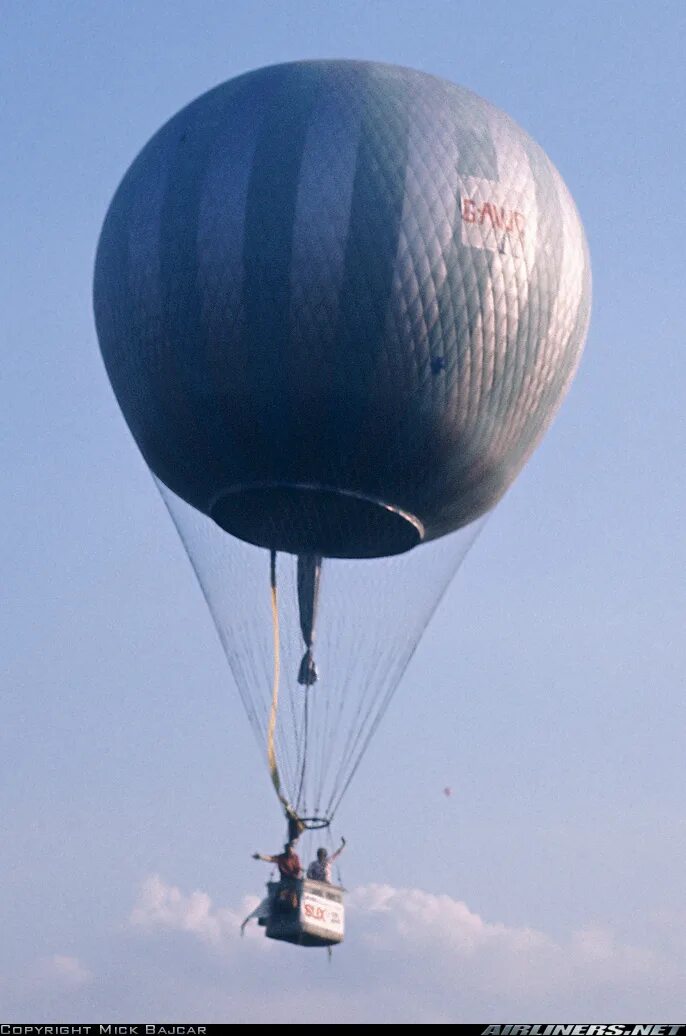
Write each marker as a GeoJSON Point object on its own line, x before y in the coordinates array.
{"type": "Point", "coordinates": [271, 753]}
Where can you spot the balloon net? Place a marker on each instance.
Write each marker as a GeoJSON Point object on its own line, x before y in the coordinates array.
{"type": "Point", "coordinates": [370, 616]}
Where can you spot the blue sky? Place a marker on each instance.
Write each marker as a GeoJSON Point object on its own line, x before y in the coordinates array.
{"type": "Point", "coordinates": [548, 690]}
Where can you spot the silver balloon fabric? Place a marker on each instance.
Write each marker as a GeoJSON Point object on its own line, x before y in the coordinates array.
{"type": "Point", "coordinates": [339, 303]}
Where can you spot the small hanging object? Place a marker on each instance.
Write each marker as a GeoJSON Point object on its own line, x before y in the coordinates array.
{"type": "Point", "coordinates": [307, 674]}
{"type": "Point", "coordinates": [309, 572]}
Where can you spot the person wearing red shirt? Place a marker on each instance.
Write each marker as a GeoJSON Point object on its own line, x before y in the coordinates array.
{"type": "Point", "coordinates": [288, 861]}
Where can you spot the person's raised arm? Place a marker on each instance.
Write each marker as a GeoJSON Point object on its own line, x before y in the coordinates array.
{"type": "Point", "coordinates": [265, 859]}
{"type": "Point", "coordinates": [338, 851]}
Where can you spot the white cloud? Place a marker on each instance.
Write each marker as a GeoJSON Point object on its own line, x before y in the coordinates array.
{"type": "Point", "coordinates": [44, 986]}
{"type": "Point", "coordinates": [162, 906]}
{"type": "Point", "coordinates": [67, 971]}
{"type": "Point", "coordinates": [521, 962]}
{"type": "Point", "coordinates": [416, 956]}
{"type": "Point", "coordinates": [410, 956]}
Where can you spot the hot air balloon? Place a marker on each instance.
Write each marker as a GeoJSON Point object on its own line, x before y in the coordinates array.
{"type": "Point", "coordinates": [339, 303]}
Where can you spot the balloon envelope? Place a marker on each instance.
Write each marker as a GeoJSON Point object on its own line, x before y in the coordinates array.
{"type": "Point", "coordinates": [339, 303]}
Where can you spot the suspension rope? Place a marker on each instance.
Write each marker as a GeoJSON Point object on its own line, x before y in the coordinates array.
{"type": "Point", "coordinates": [313, 737]}
{"type": "Point", "coordinates": [299, 798]}
{"type": "Point", "coordinates": [271, 750]}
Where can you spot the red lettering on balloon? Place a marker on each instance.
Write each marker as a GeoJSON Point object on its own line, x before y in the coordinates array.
{"type": "Point", "coordinates": [510, 220]}
{"type": "Point", "coordinates": [469, 210]}
{"type": "Point", "coordinates": [486, 211]}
